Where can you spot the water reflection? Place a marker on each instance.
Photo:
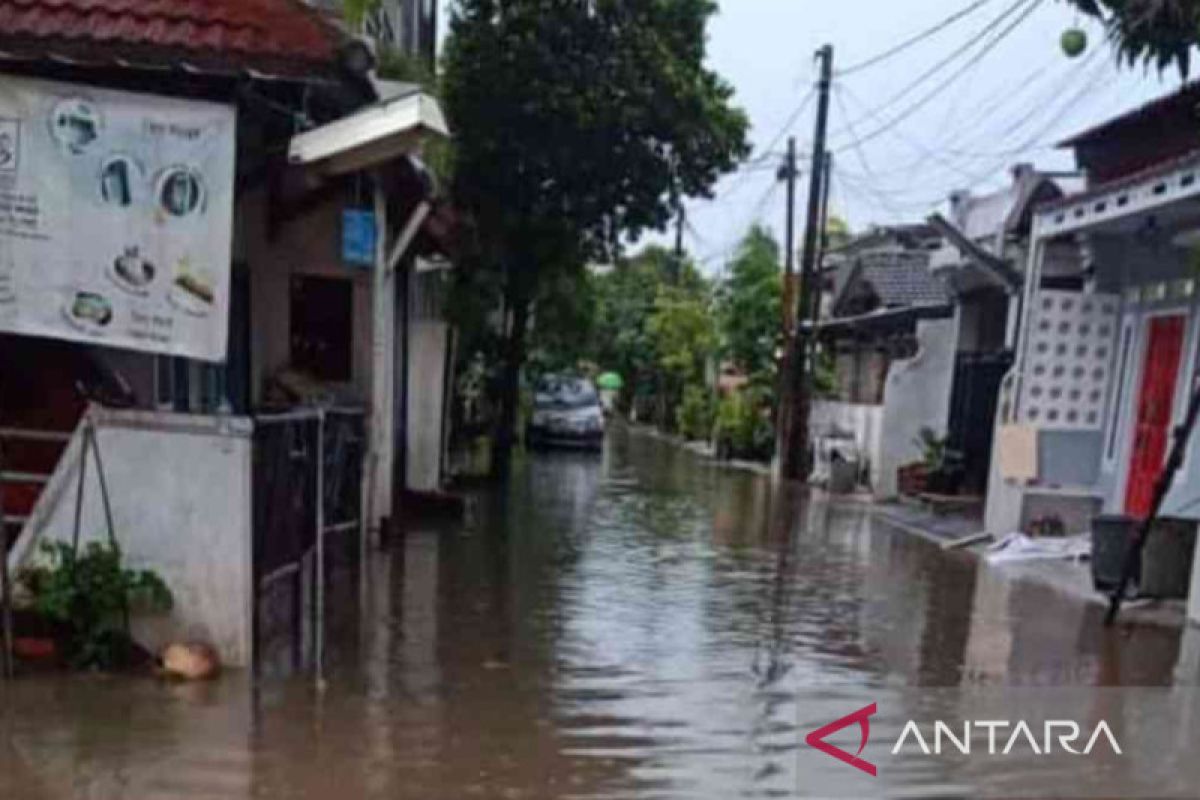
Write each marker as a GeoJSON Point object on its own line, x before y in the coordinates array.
{"type": "Point", "coordinates": [637, 624]}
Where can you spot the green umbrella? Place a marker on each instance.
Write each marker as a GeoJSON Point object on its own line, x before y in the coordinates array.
{"type": "Point", "coordinates": [610, 381]}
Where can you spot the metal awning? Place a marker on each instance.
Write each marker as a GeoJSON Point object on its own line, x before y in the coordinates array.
{"type": "Point", "coordinates": [370, 136]}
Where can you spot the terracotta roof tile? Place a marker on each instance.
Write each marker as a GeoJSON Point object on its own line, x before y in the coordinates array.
{"type": "Point", "coordinates": [271, 35]}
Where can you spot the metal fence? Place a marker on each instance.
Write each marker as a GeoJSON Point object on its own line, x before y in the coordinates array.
{"type": "Point", "coordinates": [308, 501]}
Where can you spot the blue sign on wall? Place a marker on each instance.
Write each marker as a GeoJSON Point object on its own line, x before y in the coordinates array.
{"type": "Point", "coordinates": [358, 237]}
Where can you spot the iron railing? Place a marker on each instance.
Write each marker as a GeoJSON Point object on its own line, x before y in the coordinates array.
{"type": "Point", "coordinates": [308, 490]}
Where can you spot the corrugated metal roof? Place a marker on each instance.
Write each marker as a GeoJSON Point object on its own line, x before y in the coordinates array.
{"type": "Point", "coordinates": [277, 36]}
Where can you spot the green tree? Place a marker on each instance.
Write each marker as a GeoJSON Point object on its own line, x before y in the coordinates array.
{"type": "Point", "coordinates": [684, 337]}
{"type": "Point", "coordinates": [563, 322]}
{"type": "Point", "coordinates": [621, 339]}
{"type": "Point", "coordinates": [752, 304]}
{"type": "Point", "coordinates": [1161, 33]}
{"type": "Point", "coordinates": [577, 125]}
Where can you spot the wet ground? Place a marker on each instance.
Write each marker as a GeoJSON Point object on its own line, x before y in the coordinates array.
{"type": "Point", "coordinates": [637, 624]}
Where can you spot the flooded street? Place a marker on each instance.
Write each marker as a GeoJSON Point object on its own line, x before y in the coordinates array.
{"type": "Point", "coordinates": [640, 624]}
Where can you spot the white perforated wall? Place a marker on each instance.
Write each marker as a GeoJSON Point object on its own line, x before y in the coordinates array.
{"type": "Point", "coordinates": [1071, 342]}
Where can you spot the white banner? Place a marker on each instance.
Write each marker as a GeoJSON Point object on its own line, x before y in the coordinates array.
{"type": "Point", "coordinates": [116, 214]}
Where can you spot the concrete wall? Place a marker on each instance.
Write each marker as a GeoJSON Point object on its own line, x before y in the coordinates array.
{"type": "Point", "coordinates": [180, 489]}
{"type": "Point", "coordinates": [306, 245]}
{"type": "Point", "coordinates": [863, 421]}
{"type": "Point", "coordinates": [917, 395]}
{"type": "Point", "coordinates": [428, 341]}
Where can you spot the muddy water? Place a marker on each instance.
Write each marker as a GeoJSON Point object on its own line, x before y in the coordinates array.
{"type": "Point", "coordinates": [632, 625]}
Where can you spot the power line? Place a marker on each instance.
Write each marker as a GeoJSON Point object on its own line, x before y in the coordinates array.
{"type": "Point", "coordinates": [915, 40]}
{"type": "Point", "coordinates": [1061, 112]}
{"type": "Point", "coordinates": [755, 216]}
{"type": "Point", "coordinates": [858, 150]}
{"type": "Point", "coordinates": [979, 36]}
{"type": "Point", "coordinates": [1030, 7]}
{"type": "Point", "coordinates": [792, 118]}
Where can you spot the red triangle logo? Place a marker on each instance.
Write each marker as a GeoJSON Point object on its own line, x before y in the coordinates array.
{"type": "Point", "coordinates": [863, 718]}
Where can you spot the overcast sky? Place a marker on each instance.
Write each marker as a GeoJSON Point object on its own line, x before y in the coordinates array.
{"type": "Point", "coordinates": [1008, 105]}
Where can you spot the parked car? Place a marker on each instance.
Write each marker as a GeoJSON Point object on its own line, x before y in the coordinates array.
{"type": "Point", "coordinates": [566, 412]}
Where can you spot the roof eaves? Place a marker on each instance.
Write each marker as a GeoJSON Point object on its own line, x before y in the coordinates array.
{"type": "Point", "coordinates": [1179, 95]}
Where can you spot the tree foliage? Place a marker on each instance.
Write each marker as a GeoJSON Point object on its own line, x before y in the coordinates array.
{"type": "Point", "coordinates": [577, 124]}
{"type": "Point", "coordinates": [683, 333]}
{"type": "Point", "coordinates": [584, 121]}
{"type": "Point", "coordinates": [621, 338]}
{"type": "Point", "coordinates": [653, 324]}
{"type": "Point", "coordinates": [1159, 33]}
{"type": "Point", "coordinates": [752, 305]}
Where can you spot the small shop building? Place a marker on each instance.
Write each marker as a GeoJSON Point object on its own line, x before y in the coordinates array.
{"type": "Point", "coordinates": [222, 267]}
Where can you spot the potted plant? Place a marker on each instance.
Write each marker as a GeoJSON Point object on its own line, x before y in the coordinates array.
{"type": "Point", "coordinates": [88, 595]}
{"type": "Point", "coordinates": [939, 471]}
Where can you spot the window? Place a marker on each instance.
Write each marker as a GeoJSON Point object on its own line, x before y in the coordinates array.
{"type": "Point", "coordinates": [1119, 397]}
{"type": "Point", "coordinates": [187, 386]}
{"type": "Point", "coordinates": [322, 327]}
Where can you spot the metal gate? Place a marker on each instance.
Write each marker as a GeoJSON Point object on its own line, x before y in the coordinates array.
{"type": "Point", "coordinates": [977, 379]}
{"type": "Point", "coordinates": [308, 514]}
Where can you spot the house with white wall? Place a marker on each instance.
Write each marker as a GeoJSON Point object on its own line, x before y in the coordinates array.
{"type": "Point", "coordinates": [889, 315]}
{"type": "Point", "coordinates": [1106, 357]}
{"type": "Point", "coordinates": [936, 358]}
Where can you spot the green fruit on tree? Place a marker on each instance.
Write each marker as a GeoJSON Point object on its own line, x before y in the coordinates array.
{"type": "Point", "coordinates": [1074, 42]}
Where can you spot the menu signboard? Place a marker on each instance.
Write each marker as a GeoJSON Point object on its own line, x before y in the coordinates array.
{"type": "Point", "coordinates": [116, 216]}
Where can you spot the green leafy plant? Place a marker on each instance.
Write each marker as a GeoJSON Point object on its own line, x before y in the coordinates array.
{"type": "Point", "coordinates": [933, 448]}
{"type": "Point", "coordinates": [696, 413]}
{"type": "Point", "coordinates": [743, 428]}
{"type": "Point", "coordinates": [89, 593]}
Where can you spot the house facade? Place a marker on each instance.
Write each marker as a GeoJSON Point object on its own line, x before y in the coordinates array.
{"type": "Point", "coordinates": [922, 322]}
{"type": "Point", "coordinates": [326, 286]}
{"type": "Point", "coordinates": [982, 259]}
{"type": "Point", "coordinates": [1107, 354]}
{"type": "Point", "coordinates": [887, 317]}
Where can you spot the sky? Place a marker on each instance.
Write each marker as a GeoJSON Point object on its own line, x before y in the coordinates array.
{"type": "Point", "coordinates": [1006, 106]}
{"type": "Point", "coordinates": [1003, 100]}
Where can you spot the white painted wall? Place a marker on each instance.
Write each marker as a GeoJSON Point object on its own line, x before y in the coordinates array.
{"type": "Point", "coordinates": [180, 488]}
{"type": "Point", "coordinates": [428, 341]}
{"type": "Point", "coordinates": [864, 421]}
{"type": "Point", "coordinates": [917, 395]}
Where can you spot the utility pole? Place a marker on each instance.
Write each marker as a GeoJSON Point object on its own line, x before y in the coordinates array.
{"type": "Point", "coordinates": [826, 182]}
{"type": "Point", "coordinates": [788, 173]}
{"type": "Point", "coordinates": [795, 399]}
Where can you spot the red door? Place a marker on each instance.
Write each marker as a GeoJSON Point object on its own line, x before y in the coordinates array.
{"type": "Point", "coordinates": [1156, 403]}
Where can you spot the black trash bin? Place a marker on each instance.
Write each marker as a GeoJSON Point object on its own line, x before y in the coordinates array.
{"type": "Point", "coordinates": [1111, 537]}
{"type": "Point", "coordinates": [1165, 568]}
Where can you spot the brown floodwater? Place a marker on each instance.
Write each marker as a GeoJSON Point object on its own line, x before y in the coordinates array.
{"type": "Point", "coordinates": [636, 624]}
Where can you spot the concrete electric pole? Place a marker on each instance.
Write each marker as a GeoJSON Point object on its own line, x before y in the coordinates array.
{"type": "Point", "coordinates": [795, 399]}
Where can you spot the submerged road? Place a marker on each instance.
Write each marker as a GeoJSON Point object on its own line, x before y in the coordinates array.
{"type": "Point", "coordinates": [632, 624]}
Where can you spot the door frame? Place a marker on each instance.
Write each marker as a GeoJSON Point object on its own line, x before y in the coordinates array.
{"type": "Point", "coordinates": [1128, 415]}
